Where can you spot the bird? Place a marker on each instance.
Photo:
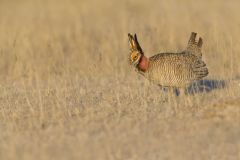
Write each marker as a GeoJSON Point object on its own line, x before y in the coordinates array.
{"type": "Point", "coordinates": [172, 70]}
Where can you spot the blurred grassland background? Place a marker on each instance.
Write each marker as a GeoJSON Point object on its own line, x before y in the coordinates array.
{"type": "Point", "coordinates": [68, 92]}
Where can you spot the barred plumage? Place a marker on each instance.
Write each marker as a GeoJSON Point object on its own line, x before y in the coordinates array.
{"type": "Point", "coordinates": [175, 69]}
{"type": "Point", "coordinates": [170, 69]}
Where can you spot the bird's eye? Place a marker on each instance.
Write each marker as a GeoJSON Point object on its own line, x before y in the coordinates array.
{"type": "Point", "coordinates": [135, 57]}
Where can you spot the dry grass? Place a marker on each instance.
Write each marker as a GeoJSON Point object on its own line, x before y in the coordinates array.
{"type": "Point", "coordinates": [67, 91]}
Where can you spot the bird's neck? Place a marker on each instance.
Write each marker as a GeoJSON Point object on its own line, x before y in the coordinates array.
{"type": "Point", "coordinates": [143, 64]}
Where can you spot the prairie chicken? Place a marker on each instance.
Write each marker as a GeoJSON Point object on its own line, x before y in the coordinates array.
{"type": "Point", "coordinates": [174, 70]}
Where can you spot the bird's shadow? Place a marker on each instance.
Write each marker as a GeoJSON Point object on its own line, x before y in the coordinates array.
{"type": "Point", "coordinates": [206, 85]}
{"type": "Point", "coordinates": [202, 86]}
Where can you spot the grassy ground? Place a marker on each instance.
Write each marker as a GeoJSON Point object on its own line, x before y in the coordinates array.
{"type": "Point", "coordinates": [67, 91]}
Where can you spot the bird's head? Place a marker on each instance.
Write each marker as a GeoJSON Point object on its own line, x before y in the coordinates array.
{"type": "Point", "coordinates": [136, 51]}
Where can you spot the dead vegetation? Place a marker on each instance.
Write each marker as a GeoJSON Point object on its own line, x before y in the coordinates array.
{"type": "Point", "coordinates": [68, 92]}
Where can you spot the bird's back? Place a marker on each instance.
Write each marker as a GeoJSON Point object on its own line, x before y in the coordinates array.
{"type": "Point", "coordinates": [175, 69]}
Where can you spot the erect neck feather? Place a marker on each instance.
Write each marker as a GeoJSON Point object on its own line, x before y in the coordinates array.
{"type": "Point", "coordinates": [143, 63]}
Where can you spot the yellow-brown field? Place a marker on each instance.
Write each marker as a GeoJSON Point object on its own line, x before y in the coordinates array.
{"type": "Point", "coordinates": [68, 92]}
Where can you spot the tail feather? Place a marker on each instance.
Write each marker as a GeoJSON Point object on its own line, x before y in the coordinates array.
{"type": "Point", "coordinates": [200, 64]}
{"type": "Point", "coordinates": [194, 46]}
{"type": "Point", "coordinates": [200, 69]}
{"type": "Point", "coordinates": [200, 42]}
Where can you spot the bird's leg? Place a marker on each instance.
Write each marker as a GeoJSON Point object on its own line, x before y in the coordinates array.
{"type": "Point", "coordinates": [172, 100]}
